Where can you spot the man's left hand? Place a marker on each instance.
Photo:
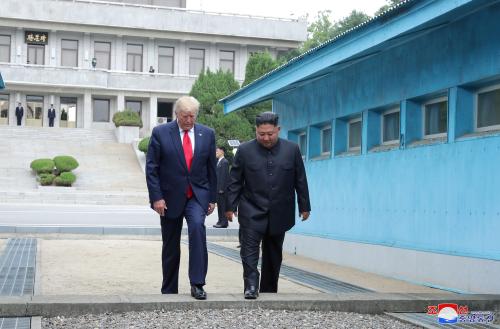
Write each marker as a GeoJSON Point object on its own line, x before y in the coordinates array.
{"type": "Point", "coordinates": [211, 207]}
{"type": "Point", "coordinates": [304, 215]}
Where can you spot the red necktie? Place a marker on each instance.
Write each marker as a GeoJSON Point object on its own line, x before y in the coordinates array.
{"type": "Point", "coordinates": [188, 155]}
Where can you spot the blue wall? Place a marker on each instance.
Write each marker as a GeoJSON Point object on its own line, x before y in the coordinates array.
{"type": "Point", "coordinates": [443, 197]}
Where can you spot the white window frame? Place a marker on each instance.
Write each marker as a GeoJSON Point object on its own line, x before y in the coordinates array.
{"type": "Point", "coordinates": [233, 61]}
{"type": "Point", "coordinates": [299, 135]}
{"type": "Point", "coordinates": [382, 118]}
{"type": "Point", "coordinates": [204, 58]}
{"type": "Point", "coordinates": [10, 47]}
{"type": "Point", "coordinates": [321, 132]}
{"type": "Point", "coordinates": [354, 120]}
{"type": "Point", "coordinates": [430, 102]}
{"type": "Point", "coordinates": [476, 109]}
{"type": "Point", "coordinates": [173, 58]}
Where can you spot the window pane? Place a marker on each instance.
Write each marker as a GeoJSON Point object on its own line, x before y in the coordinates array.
{"type": "Point", "coordinates": [303, 144]}
{"type": "Point", "coordinates": [326, 140]}
{"type": "Point", "coordinates": [100, 110]}
{"type": "Point", "coordinates": [69, 58]}
{"type": "Point", "coordinates": [102, 59]}
{"type": "Point", "coordinates": [226, 62]}
{"type": "Point", "coordinates": [166, 51]}
{"type": "Point", "coordinates": [102, 46]}
{"type": "Point", "coordinates": [134, 49]}
{"type": "Point", "coordinates": [137, 63]}
{"type": "Point", "coordinates": [134, 106]}
{"type": "Point", "coordinates": [354, 134]}
{"type": "Point", "coordinates": [4, 48]}
{"type": "Point", "coordinates": [196, 61]}
{"type": "Point", "coordinates": [4, 108]}
{"type": "Point", "coordinates": [166, 64]}
{"type": "Point", "coordinates": [69, 44]}
{"type": "Point", "coordinates": [436, 118]}
{"type": "Point", "coordinates": [102, 53]}
{"type": "Point", "coordinates": [488, 109]}
{"type": "Point", "coordinates": [391, 127]}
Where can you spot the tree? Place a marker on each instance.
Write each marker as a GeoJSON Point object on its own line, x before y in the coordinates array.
{"type": "Point", "coordinates": [258, 64]}
{"type": "Point", "coordinates": [208, 89]}
{"type": "Point", "coordinates": [390, 3]}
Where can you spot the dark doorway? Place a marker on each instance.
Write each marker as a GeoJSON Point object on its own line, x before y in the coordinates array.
{"type": "Point", "coordinates": [165, 112]}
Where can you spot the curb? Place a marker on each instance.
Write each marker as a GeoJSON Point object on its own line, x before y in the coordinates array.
{"type": "Point", "coordinates": [364, 303]}
{"type": "Point", "coordinates": [107, 230]}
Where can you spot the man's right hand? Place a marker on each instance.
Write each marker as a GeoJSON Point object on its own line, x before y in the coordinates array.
{"type": "Point", "coordinates": [229, 216]}
{"type": "Point", "coordinates": [160, 206]}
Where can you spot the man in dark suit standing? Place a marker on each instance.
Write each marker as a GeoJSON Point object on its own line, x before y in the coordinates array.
{"type": "Point", "coordinates": [222, 182]}
{"type": "Point", "coordinates": [182, 182]}
{"type": "Point", "coordinates": [19, 113]}
{"type": "Point", "coordinates": [266, 174]}
{"type": "Point", "coordinates": [51, 115]}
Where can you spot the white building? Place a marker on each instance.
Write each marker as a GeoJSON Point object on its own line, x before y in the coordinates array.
{"type": "Point", "coordinates": [93, 58]}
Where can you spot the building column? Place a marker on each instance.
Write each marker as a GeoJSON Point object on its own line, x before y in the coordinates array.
{"type": "Point", "coordinates": [183, 59]}
{"type": "Point", "coordinates": [19, 46]}
{"type": "Point", "coordinates": [151, 56]}
{"type": "Point", "coordinates": [52, 48]}
{"type": "Point", "coordinates": [240, 65]}
{"type": "Point", "coordinates": [88, 51]}
{"type": "Point", "coordinates": [153, 111]}
{"type": "Point", "coordinates": [212, 57]}
{"type": "Point", "coordinates": [87, 110]}
{"type": "Point", "coordinates": [119, 54]}
{"type": "Point", "coordinates": [120, 102]}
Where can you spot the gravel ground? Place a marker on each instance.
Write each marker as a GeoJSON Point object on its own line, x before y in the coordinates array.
{"type": "Point", "coordinates": [228, 318]}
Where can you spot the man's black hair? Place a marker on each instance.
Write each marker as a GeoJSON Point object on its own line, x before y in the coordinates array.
{"type": "Point", "coordinates": [267, 118]}
{"type": "Point", "coordinates": [222, 148]}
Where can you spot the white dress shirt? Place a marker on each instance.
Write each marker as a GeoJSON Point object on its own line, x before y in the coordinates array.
{"type": "Point", "coordinates": [190, 134]}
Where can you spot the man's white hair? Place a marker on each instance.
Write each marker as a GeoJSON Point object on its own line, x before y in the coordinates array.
{"type": "Point", "coordinates": [187, 104]}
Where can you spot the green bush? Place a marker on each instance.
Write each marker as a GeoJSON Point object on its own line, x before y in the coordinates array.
{"type": "Point", "coordinates": [65, 163]}
{"type": "Point", "coordinates": [144, 144]}
{"type": "Point", "coordinates": [42, 166]}
{"type": "Point", "coordinates": [127, 118]}
{"type": "Point", "coordinates": [46, 179]}
{"type": "Point", "coordinates": [65, 179]}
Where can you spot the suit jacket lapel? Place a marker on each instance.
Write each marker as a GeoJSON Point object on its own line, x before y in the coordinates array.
{"type": "Point", "coordinates": [197, 144]}
{"type": "Point", "coordinates": [176, 140]}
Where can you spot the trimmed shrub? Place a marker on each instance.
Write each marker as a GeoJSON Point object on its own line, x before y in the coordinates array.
{"type": "Point", "coordinates": [65, 163]}
{"type": "Point", "coordinates": [42, 166]}
{"type": "Point", "coordinates": [46, 179]}
{"type": "Point", "coordinates": [127, 118]}
{"type": "Point", "coordinates": [144, 144]}
{"type": "Point", "coordinates": [65, 179]}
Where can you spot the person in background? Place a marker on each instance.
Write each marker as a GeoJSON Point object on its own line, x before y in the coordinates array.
{"type": "Point", "coordinates": [222, 182]}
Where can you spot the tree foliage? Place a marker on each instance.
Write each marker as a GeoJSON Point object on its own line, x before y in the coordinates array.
{"type": "Point", "coordinates": [208, 89]}
{"type": "Point", "coordinates": [258, 64]}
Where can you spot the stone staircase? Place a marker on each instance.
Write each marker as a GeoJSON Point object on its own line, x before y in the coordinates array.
{"type": "Point", "coordinates": [109, 172]}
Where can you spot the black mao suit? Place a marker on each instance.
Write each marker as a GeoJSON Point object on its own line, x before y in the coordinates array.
{"type": "Point", "coordinates": [263, 184]}
{"type": "Point", "coordinates": [222, 183]}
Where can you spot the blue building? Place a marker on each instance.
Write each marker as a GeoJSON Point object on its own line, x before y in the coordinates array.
{"type": "Point", "coordinates": [398, 121]}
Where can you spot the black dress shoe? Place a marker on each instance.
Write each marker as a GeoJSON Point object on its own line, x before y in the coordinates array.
{"type": "Point", "coordinates": [220, 225]}
{"type": "Point", "coordinates": [198, 293]}
{"type": "Point", "coordinates": [251, 293]}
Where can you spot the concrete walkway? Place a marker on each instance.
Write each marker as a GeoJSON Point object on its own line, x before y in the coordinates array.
{"type": "Point", "coordinates": [78, 274]}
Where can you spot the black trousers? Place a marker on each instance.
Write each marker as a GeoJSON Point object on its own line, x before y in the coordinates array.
{"type": "Point", "coordinates": [51, 122]}
{"type": "Point", "coordinates": [19, 119]}
{"type": "Point", "coordinates": [221, 209]}
{"type": "Point", "coordinates": [272, 255]}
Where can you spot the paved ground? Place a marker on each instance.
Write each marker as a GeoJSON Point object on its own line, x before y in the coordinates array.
{"type": "Point", "coordinates": [104, 265]}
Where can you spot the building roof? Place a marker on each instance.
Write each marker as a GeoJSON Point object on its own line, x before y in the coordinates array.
{"type": "Point", "coordinates": [395, 26]}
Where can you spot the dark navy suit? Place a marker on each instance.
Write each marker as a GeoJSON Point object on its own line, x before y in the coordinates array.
{"type": "Point", "coordinates": [167, 178]}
